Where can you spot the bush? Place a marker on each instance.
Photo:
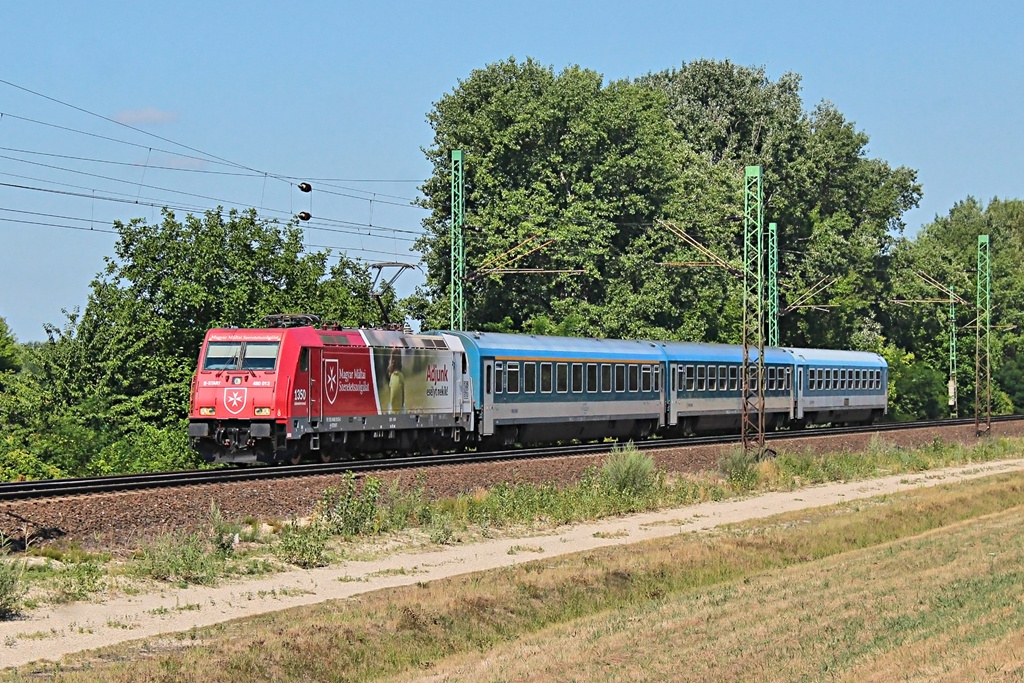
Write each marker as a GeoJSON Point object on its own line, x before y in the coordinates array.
{"type": "Point", "coordinates": [12, 588]}
{"type": "Point", "coordinates": [628, 471]}
{"type": "Point", "coordinates": [304, 546]}
{"type": "Point", "coordinates": [740, 469]}
{"type": "Point", "coordinates": [180, 558]}
{"type": "Point", "coordinates": [17, 464]}
{"type": "Point", "coordinates": [349, 512]}
{"type": "Point", "coordinates": [149, 449]}
{"type": "Point", "coordinates": [78, 580]}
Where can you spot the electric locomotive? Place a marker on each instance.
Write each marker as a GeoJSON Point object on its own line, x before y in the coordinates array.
{"type": "Point", "coordinates": [288, 392]}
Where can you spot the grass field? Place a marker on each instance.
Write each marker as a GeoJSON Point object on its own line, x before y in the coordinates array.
{"type": "Point", "coordinates": [927, 585]}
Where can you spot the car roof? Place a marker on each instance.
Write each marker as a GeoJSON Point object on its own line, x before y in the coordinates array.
{"type": "Point", "coordinates": [500, 344]}
{"type": "Point", "coordinates": [830, 357]}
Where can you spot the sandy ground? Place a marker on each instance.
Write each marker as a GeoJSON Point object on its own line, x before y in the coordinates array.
{"type": "Point", "coordinates": [51, 633]}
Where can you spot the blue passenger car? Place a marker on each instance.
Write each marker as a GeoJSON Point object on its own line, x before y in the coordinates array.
{"type": "Point", "coordinates": [840, 386]}
{"type": "Point", "coordinates": [705, 395]}
{"type": "Point", "coordinates": [533, 389]}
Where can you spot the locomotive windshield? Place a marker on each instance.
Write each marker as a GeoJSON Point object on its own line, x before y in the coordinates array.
{"type": "Point", "coordinates": [241, 356]}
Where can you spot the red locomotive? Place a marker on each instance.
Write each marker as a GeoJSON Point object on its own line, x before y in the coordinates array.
{"type": "Point", "coordinates": [292, 391]}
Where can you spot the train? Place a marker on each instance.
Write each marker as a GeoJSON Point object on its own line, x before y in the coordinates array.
{"type": "Point", "coordinates": [296, 390]}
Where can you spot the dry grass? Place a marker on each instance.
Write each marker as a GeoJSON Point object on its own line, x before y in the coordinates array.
{"type": "Point", "coordinates": [921, 586]}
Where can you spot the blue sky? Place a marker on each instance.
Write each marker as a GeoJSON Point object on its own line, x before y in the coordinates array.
{"type": "Point", "coordinates": [340, 90]}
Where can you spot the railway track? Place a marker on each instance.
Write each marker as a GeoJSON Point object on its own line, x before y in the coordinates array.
{"type": "Point", "coordinates": [51, 488]}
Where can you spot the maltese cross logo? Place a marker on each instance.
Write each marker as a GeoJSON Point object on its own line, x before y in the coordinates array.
{"type": "Point", "coordinates": [331, 380]}
{"type": "Point", "coordinates": [234, 400]}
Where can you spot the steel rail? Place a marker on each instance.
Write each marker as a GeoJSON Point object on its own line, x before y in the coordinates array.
{"type": "Point", "coordinates": [51, 488]}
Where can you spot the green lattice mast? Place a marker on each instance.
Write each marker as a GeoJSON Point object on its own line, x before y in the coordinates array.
{"type": "Point", "coordinates": [458, 244]}
{"type": "Point", "coordinates": [954, 408]}
{"type": "Point", "coordinates": [983, 341]}
{"type": "Point", "coordinates": [773, 284]}
{"type": "Point", "coordinates": [752, 426]}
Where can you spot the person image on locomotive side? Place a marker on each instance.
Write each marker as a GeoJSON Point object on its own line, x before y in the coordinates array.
{"type": "Point", "coordinates": [396, 383]}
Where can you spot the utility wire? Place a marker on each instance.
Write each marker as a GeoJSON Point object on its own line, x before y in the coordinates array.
{"type": "Point", "coordinates": [337, 249]}
{"type": "Point", "coordinates": [378, 228]}
{"type": "Point", "coordinates": [409, 201]}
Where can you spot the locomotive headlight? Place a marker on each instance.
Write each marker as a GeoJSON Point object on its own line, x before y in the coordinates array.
{"type": "Point", "coordinates": [236, 380]}
{"type": "Point", "coordinates": [207, 411]}
{"type": "Point", "coordinates": [263, 411]}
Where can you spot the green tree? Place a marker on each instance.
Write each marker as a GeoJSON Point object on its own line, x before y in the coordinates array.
{"type": "Point", "coordinates": [587, 168]}
{"type": "Point", "coordinates": [563, 163]}
{"type": "Point", "coordinates": [10, 356]}
{"type": "Point", "coordinates": [946, 249]}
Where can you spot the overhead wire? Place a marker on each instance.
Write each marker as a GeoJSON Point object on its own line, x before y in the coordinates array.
{"type": "Point", "coordinates": [335, 248]}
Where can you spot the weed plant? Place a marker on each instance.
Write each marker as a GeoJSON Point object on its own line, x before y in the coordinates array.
{"type": "Point", "coordinates": [223, 534]}
{"type": "Point", "coordinates": [627, 471]}
{"type": "Point", "coordinates": [180, 558]}
{"type": "Point", "coordinates": [12, 587]}
{"type": "Point", "coordinates": [77, 581]}
{"type": "Point", "coordinates": [304, 546]}
{"type": "Point", "coordinates": [349, 511]}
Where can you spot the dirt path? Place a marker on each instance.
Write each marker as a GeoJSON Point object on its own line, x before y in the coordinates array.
{"type": "Point", "coordinates": [51, 633]}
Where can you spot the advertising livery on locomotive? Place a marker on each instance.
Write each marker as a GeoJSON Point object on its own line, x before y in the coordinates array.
{"type": "Point", "coordinates": [288, 393]}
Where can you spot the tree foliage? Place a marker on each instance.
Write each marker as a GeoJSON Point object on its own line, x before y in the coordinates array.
{"type": "Point", "coordinates": [588, 168]}
{"type": "Point", "coordinates": [10, 356]}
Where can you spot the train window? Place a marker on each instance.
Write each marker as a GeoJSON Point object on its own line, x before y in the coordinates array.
{"type": "Point", "coordinates": [620, 378]}
{"type": "Point", "coordinates": [828, 378]}
{"type": "Point", "coordinates": [712, 378]}
{"type": "Point", "coordinates": [545, 378]}
{"type": "Point", "coordinates": [878, 379]}
{"type": "Point", "coordinates": [304, 360]}
{"type": "Point", "coordinates": [842, 379]}
{"type": "Point", "coordinates": [689, 378]}
{"type": "Point", "coordinates": [260, 356]}
{"type": "Point", "coordinates": [680, 378]}
{"type": "Point", "coordinates": [645, 378]}
{"type": "Point", "coordinates": [606, 378]}
{"type": "Point", "coordinates": [487, 380]}
{"type": "Point", "coordinates": [577, 378]}
{"type": "Point", "coordinates": [499, 378]}
{"type": "Point", "coordinates": [634, 378]}
{"type": "Point", "coordinates": [771, 379]}
{"type": "Point", "coordinates": [657, 378]}
{"type": "Point", "coordinates": [734, 374]}
{"type": "Point", "coordinates": [821, 379]}
{"type": "Point", "coordinates": [529, 378]}
{"type": "Point", "coordinates": [722, 385]}
{"type": "Point", "coordinates": [562, 378]}
{"type": "Point", "coordinates": [512, 378]}
{"type": "Point", "coordinates": [810, 378]}
{"type": "Point", "coordinates": [592, 378]}
{"type": "Point", "coordinates": [702, 378]}
{"type": "Point", "coordinates": [789, 379]}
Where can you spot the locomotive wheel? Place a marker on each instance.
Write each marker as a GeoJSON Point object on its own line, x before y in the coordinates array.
{"type": "Point", "coordinates": [295, 458]}
{"type": "Point", "coordinates": [326, 456]}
